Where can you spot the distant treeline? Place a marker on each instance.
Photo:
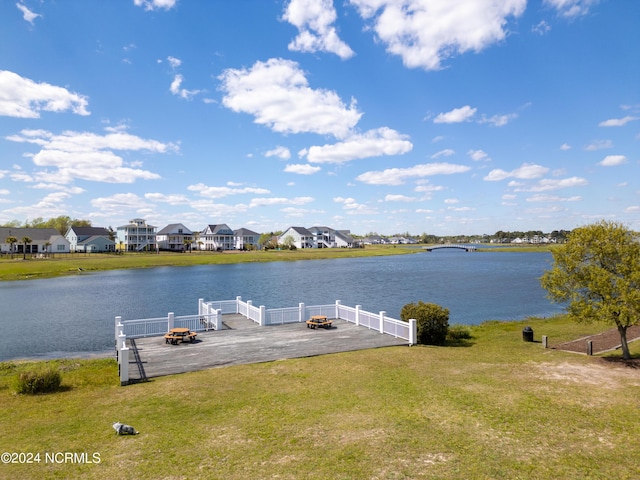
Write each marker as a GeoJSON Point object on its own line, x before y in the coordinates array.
{"type": "Point", "coordinates": [62, 224]}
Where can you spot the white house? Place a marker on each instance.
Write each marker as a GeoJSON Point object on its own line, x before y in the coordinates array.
{"type": "Point", "coordinates": [90, 239]}
{"type": "Point", "coordinates": [136, 236]}
{"type": "Point", "coordinates": [217, 237]}
{"type": "Point", "coordinates": [326, 237]}
{"type": "Point", "coordinates": [245, 239]}
{"type": "Point", "coordinates": [43, 240]}
{"type": "Point", "coordinates": [302, 238]}
{"type": "Point", "coordinates": [175, 237]}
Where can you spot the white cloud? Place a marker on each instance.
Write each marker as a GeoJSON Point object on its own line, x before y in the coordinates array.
{"type": "Point", "coordinates": [314, 20]}
{"type": "Point", "coordinates": [174, 62]}
{"type": "Point", "coordinates": [571, 8]}
{"type": "Point", "coordinates": [424, 32]}
{"type": "Point", "coordinates": [447, 152]}
{"type": "Point", "coordinates": [397, 176]}
{"type": "Point", "coordinates": [598, 145]}
{"type": "Point", "coordinates": [52, 205]}
{"type": "Point", "coordinates": [456, 115]}
{"type": "Point", "coordinates": [89, 156]}
{"type": "Point", "coordinates": [499, 120]}
{"type": "Point", "coordinates": [542, 28]}
{"type": "Point", "coordinates": [23, 98]}
{"type": "Point", "coordinates": [175, 199]}
{"type": "Point", "coordinates": [280, 152]}
{"type": "Point", "coordinates": [613, 160]}
{"type": "Point", "coordinates": [478, 155]}
{"type": "Point", "coordinates": [526, 171]}
{"type": "Point", "coordinates": [565, 146]}
{"type": "Point", "coordinates": [302, 169]}
{"type": "Point", "coordinates": [352, 207]}
{"type": "Point", "coordinates": [547, 184]}
{"type": "Point", "coordinates": [276, 92]}
{"type": "Point", "coordinates": [115, 205]}
{"type": "Point", "coordinates": [451, 201]}
{"type": "Point", "coordinates": [220, 192]}
{"type": "Point", "coordinates": [155, 4]}
{"type": "Point", "coordinates": [617, 122]}
{"type": "Point", "coordinates": [553, 198]}
{"type": "Point", "coordinates": [263, 202]}
{"type": "Point", "coordinates": [399, 198]}
{"type": "Point", "coordinates": [374, 143]}
{"type": "Point", "coordinates": [175, 89]}
{"type": "Point", "coordinates": [27, 14]}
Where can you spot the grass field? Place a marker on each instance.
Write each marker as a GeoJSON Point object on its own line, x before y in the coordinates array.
{"type": "Point", "coordinates": [494, 407]}
{"type": "Point", "coordinates": [70, 264]}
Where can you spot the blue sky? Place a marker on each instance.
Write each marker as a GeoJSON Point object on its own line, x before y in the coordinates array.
{"type": "Point", "coordinates": [438, 116]}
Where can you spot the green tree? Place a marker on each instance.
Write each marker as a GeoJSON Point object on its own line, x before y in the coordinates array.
{"type": "Point", "coordinates": [11, 240]}
{"type": "Point", "coordinates": [432, 322]}
{"type": "Point", "coordinates": [597, 272]}
{"type": "Point", "coordinates": [25, 241]}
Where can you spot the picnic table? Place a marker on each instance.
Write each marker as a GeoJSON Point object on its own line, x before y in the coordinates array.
{"type": "Point", "coordinates": [319, 321]}
{"type": "Point", "coordinates": [176, 335]}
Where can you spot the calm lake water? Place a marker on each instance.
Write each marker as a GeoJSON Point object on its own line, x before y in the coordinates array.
{"type": "Point", "coordinates": [74, 315]}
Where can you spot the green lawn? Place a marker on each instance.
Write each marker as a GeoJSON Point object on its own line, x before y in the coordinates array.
{"type": "Point", "coordinates": [74, 264]}
{"type": "Point", "coordinates": [496, 407]}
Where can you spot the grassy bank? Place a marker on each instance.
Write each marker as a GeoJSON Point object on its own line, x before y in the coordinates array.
{"type": "Point", "coordinates": [496, 407]}
{"type": "Point", "coordinates": [74, 264]}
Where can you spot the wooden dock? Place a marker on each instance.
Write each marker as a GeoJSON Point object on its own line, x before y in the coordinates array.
{"type": "Point", "coordinates": [242, 341]}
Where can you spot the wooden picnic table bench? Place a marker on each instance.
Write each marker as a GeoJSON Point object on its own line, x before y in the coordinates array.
{"type": "Point", "coordinates": [176, 335]}
{"type": "Point", "coordinates": [319, 321]}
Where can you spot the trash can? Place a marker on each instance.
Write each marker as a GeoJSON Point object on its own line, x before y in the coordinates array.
{"type": "Point", "coordinates": [527, 334]}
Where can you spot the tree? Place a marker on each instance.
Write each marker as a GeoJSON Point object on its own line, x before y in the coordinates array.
{"type": "Point", "coordinates": [597, 272]}
{"type": "Point", "coordinates": [25, 241]}
{"type": "Point", "coordinates": [432, 322]}
{"type": "Point", "coordinates": [11, 240]}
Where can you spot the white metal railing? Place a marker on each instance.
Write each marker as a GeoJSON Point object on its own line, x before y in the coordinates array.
{"type": "Point", "coordinates": [280, 316]}
{"type": "Point", "coordinates": [210, 317]}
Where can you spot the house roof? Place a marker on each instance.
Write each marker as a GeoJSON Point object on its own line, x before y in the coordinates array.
{"type": "Point", "coordinates": [35, 234]}
{"type": "Point", "coordinates": [91, 239]}
{"type": "Point", "coordinates": [89, 231]}
{"type": "Point", "coordinates": [215, 229]}
{"type": "Point", "coordinates": [173, 228]}
{"type": "Point", "coordinates": [300, 231]}
{"type": "Point", "coordinates": [244, 232]}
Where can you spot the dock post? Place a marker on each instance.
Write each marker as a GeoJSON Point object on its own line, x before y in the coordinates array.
{"type": "Point", "coordinates": [118, 329]}
{"type": "Point", "coordinates": [301, 312]}
{"type": "Point", "coordinates": [124, 365]}
{"type": "Point", "coordinates": [200, 302]}
{"type": "Point", "coordinates": [338, 309]}
{"type": "Point", "coordinates": [358, 307]}
{"type": "Point", "coordinates": [545, 341]}
{"type": "Point", "coordinates": [263, 315]}
{"type": "Point", "coordinates": [382, 314]}
{"type": "Point", "coordinates": [238, 300]}
{"type": "Point", "coordinates": [170, 321]}
{"type": "Point", "coordinates": [413, 331]}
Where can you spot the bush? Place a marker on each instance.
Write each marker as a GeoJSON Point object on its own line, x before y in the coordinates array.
{"type": "Point", "coordinates": [432, 322]}
{"type": "Point", "coordinates": [41, 380]}
{"type": "Point", "coordinates": [458, 332]}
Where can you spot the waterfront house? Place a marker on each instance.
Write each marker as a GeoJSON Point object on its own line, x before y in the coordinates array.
{"type": "Point", "coordinates": [246, 239]}
{"type": "Point", "coordinates": [43, 241]}
{"type": "Point", "coordinates": [301, 237]}
{"type": "Point", "coordinates": [176, 238]}
{"type": "Point", "coordinates": [136, 236]}
{"type": "Point", "coordinates": [90, 239]}
{"type": "Point", "coordinates": [326, 237]}
{"type": "Point", "coordinates": [217, 237]}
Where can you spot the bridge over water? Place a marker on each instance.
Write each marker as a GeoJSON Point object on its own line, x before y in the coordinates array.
{"type": "Point", "coordinates": [468, 248]}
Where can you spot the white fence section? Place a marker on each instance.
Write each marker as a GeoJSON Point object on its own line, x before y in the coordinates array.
{"type": "Point", "coordinates": [209, 317]}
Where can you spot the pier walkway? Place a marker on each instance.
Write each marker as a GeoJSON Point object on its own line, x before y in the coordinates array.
{"type": "Point", "coordinates": [242, 341]}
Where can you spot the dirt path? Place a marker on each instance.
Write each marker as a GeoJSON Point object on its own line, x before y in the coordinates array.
{"type": "Point", "coordinates": [602, 342]}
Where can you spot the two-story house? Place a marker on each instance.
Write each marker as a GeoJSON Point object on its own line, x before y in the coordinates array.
{"type": "Point", "coordinates": [175, 237]}
{"type": "Point", "coordinates": [217, 237]}
{"type": "Point", "coordinates": [90, 239]}
{"type": "Point", "coordinates": [136, 236]}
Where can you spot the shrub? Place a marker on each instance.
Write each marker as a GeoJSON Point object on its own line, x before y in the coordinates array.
{"type": "Point", "coordinates": [458, 332]}
{"type": "Point", "coordinates": [432, 322]}
{"type": "Point", "coordinates": [40, 380]}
